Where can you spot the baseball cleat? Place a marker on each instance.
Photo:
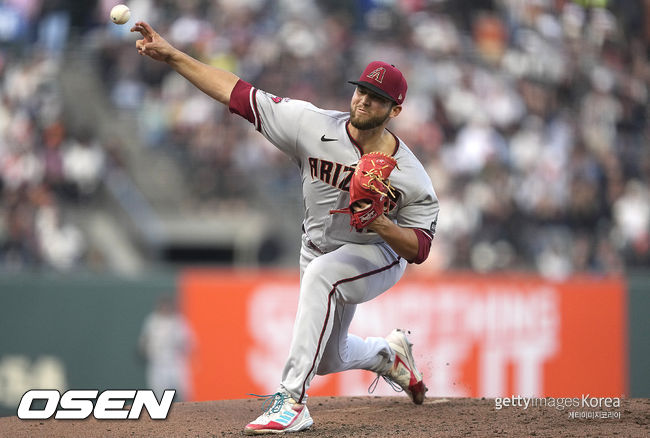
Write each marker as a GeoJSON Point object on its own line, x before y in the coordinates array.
{"type": "Point", "coordinates": [284, 415]}
{"type": "Point", "coordinates": [403, 372]}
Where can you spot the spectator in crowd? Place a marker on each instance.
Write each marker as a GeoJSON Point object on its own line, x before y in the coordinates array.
{"type": "Point", "coordinates": [83, 164]}
{"type": "Point", "coordinates": [531, 116]}
{"type": "Point", "coordinates": [35, 164]}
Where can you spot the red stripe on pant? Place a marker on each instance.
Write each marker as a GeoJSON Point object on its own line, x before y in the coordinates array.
{"type": "Point", "coordinates": [327, 316]}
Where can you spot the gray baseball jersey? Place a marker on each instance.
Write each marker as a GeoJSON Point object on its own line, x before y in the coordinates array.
{"type": "Point", "coordinates": [319, 142]}
{"type": "Point", "coordinates": [339, 267]}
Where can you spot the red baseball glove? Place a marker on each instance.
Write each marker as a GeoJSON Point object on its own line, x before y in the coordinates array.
{"type": "Point", "coordinates": [370, 190]}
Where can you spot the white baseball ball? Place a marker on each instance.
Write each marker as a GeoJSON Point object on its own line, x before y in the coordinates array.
{"type": "Point", "coordinates": [120, 14]}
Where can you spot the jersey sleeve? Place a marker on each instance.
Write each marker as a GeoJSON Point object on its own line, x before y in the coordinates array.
{"type": "Point", "coordinates": [276, 118]}
{"type": "Point", "coordinates": [424, 245]}
{"type": "Point", "coordinates": [421, 212]}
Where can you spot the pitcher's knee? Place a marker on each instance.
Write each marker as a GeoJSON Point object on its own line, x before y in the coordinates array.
{"type": "Point", "coordinates": [330, 269]}
{"type": "Point", "coordinates": [319, 268]}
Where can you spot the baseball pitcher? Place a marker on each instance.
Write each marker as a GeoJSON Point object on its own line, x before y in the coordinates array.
{"type": "Point", "coordinates": [370, 209]}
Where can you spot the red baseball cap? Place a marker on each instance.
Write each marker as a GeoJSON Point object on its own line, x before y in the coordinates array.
{"type": "Point", "coordinates": [384, 79]}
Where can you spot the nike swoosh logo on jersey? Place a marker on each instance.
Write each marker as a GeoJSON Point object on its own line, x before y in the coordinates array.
{"type": "Point", "coordinates": [323, 138]}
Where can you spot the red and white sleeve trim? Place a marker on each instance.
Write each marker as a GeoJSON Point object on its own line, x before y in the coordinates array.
{"type": "Point", "coordinates": [424, 245]}
{"type": "Point", "coordinates": [243, 101]}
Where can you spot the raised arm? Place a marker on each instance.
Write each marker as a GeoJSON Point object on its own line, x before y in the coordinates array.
{"type": "Point", "coordinates": [213, 81]}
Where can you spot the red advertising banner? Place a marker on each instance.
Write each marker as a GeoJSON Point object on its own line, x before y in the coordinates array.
{"type": "Point", "coordinates": [473, 335]}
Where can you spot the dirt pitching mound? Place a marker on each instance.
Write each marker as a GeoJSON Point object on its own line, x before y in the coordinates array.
{"type": "Point", "coordinates": [361, 417]}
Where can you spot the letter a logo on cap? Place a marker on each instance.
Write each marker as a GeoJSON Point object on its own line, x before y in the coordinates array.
{"type": "Point", "coordinates": [377, 74]}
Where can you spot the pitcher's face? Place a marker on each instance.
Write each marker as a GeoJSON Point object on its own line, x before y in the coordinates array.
{"type": "Point", "coordinates": [369, 110]}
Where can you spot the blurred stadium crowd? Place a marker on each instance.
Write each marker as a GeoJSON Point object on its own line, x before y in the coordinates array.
{"type": "Point", "coordinates": [530, 116]}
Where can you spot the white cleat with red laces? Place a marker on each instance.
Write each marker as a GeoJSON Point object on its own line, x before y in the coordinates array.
{"type": "Point", "coordinates": [284, 415]}
{"type": "Point", "coordinates": [403, 372]}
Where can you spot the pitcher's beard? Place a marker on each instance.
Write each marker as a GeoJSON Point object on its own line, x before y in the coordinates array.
{"type": "Point", "coordinates": [369, 123]}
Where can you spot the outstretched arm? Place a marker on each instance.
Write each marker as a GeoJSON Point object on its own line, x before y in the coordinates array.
{"type": "Point", "coordinates": [214, 82]}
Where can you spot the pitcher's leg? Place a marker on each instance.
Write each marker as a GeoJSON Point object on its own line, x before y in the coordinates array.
{"type": "Point", "coordinates": [311, 330]}
{"type": "Point", "coordinates": [348, 352]}
{"type": "Point", "coordinates": [351, 274]}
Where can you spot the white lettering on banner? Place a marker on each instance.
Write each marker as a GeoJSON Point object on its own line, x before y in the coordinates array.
{"type": "Point", "coordinates": [514, 326]}
{"type": "Point", "coordinates": [18, 373]}
{"type": "Point", "coordinates": [518, 326]}
{"type": "Point", "coordinates": [78, 404]}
